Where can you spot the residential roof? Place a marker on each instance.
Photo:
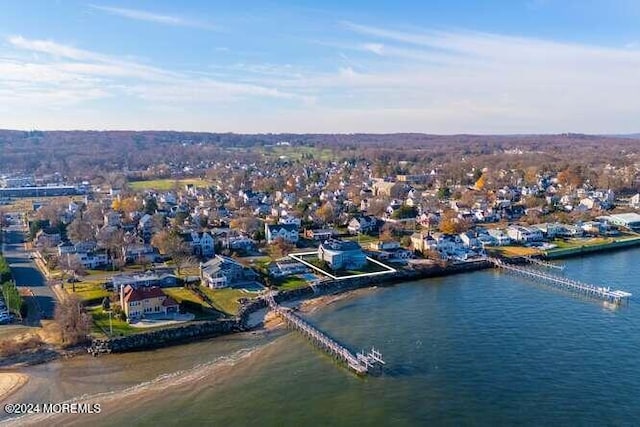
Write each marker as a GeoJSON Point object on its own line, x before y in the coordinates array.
{"type": "Point", "coordinates": [340, 245]}
{"type": "Point", "coordinates": [140, 294]}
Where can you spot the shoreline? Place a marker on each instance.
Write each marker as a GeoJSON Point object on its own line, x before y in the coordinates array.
{"type": "Point", "coordinates": [257, 318]}
{"type": "Point", "coordinates": [11, 382]}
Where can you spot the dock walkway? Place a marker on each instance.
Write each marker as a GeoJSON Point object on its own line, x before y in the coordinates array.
{"type": "Point", "coordinates": [600, 292]}
{"type": "Point", "coordinates": [360, 363]}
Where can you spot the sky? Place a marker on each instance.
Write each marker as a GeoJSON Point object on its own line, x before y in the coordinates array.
{"type": "Point", "coordinates": [331, 66]}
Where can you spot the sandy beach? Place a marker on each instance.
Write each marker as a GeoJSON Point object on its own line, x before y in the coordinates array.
{"type": "Point", "coordinates": [10, 382]}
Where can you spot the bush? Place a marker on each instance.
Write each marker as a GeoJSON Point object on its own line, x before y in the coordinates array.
{"type": "Point", "coordinates": [5, 271]}
{"type": "Point", "coordinates": [12, 347]}
{"type": "Point", "coordinates": [12, 297]}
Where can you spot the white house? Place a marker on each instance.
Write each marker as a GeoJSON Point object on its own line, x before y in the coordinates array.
{"type": "Point", "coordinates": [288, 232]}
{"type": "Point", "coordinates": [524, 234]}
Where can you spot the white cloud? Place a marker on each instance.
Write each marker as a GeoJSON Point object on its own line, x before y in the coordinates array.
{"type": "Point", "coordinates": [376, 48]}
{"type": "Point", "coordinates": [391, 81]}
{"type": "Point", "coordinates": [142, 15]}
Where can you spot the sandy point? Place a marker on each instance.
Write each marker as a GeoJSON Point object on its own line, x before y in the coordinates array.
{"type": "Point", "coordinates": [10, 382]}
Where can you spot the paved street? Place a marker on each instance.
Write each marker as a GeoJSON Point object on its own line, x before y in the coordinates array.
{"type": "Point", "coordinates": [25, 272]}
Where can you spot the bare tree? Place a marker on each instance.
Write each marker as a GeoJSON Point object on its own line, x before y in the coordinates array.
{"type": "Point", "coordinates": [80, 230]}
{"type": "Point", "coordinates": [74, 322]}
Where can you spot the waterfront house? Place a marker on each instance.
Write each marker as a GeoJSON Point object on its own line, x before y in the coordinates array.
{"type": "Point", "coordinates": [223, 272]}
{"type": "Point", "coordinates": [285, 267]}
{"type": "Point", "coordinates": [142, 302]}
{"type": "Point", "coordinates": [522, 234]}
{"type": "Point", "coordinates": [501, 238]}
{"type": "Point", "coordinates": [341, 254]}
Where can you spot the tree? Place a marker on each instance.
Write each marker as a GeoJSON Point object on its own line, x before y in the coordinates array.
{"type": "Point", "coordinates": [451, 224]}
{"type": "Point", "coordinates": [80, 230]}
{"type": "Point", "coordinates": [150, 205]}
{"type": "Point", "coordinates": [74, 322]}
{"type": "Point", "coordinates": [71, 264]}
{"type": "Point", "coordinates": [280, 248]}
{"type": "Point", "coordinates": [443, 193]}
{"type": "Point", "coordinates": [326, 213]}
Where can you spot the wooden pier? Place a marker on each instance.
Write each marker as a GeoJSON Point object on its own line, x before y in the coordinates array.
{"type": "Point", "coordinates": [360, 363]}
{"type": "Point", "coordinates": [543, 263]}
{"type": "Point", "coordinates": [600, 292]}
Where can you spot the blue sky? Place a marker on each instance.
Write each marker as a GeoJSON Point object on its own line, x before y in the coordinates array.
{"type": "Point", "coordinates": [530, 66]}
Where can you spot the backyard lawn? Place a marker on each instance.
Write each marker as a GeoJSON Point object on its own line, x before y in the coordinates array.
{"type": "Point", "coordinates": [87, 290]}
{"type": "Point", "coordinates": [225, 300]}
{"type": "Point", "coordinates": [101, 322]}
{"type": "Point", "coordinates": [292, 282]}
{"type": "Point", "coordinates": [181, 294]}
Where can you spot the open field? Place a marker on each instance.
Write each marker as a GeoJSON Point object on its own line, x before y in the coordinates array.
{"type": "Point", "coordinates": [166, 184]}
{"type": "Point", "coordinates": [297, 152]}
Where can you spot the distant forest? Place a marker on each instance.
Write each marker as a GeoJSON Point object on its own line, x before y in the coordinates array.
{"type": "Point", "coordinates": [83, 154]}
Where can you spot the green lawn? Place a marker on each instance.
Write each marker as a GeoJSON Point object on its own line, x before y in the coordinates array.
{"type": "Point", "coordinates": [87, 290]}
{"type": "Point", "coordinates": [291, 282]}
{"type": "Point", "coordinates": [574, 243]}
{"type": "Point", "coordinates": [225, 300]}
{"type": "Point", "coordinates": [181, 294]}
{"type": "Point", "coordinates": [101, 323]}
{"type": "Point", "coordinates": [166, 184]}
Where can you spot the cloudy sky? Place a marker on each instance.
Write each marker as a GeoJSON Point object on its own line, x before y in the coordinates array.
{"type": "Point", "coordinates": [501, 66]}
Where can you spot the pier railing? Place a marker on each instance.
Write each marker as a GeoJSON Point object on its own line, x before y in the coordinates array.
{"type": "Point", "coordinates": [360, 363]}
{"type": "Point", "coordinates": [601, 292]}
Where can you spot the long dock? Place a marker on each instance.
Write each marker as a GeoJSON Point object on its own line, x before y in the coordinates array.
{"type": "Point", "coordinates": [543, 263]}
{"type": "Point", "coordinates": [600, 292]}
{"type": "Point", "coordinates": [360, 363]}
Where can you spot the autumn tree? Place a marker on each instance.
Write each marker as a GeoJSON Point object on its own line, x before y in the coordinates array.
{"type": "Point", "coordinates": [326, 213]}
{"type": "Point", "coordinates": [451, 224]}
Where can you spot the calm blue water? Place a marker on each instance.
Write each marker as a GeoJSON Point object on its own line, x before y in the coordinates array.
{"type": "Point", "coordinates": [484, 348]}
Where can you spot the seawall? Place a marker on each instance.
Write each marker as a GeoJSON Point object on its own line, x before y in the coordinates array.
{"type": "Point", "coordinates": [587, 249]}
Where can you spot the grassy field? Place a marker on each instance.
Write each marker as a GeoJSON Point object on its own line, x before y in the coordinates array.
{"type": "Point", "coordinates": [296, 152]}
{"type": "Point", "coordinates": [225, 300]}
{"type": "Point", "coordinates": [166, 184]}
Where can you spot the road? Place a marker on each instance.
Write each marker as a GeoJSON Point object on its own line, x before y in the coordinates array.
{"type": "Point", "coordinates": [25, 272]}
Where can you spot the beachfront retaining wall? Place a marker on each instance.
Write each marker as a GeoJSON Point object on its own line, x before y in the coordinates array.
{"type": "Point", "coordinates": [165, 337]}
